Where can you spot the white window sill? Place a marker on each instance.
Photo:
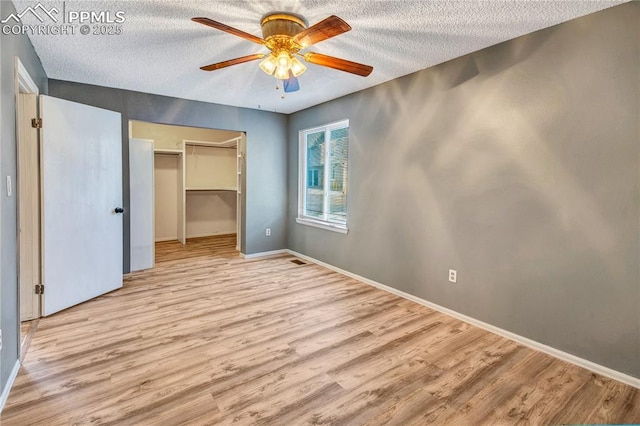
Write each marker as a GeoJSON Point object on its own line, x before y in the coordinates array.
{"type": "Point", "coordinates": [322, 225]}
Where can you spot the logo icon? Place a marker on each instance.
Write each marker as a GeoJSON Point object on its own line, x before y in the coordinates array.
{"type": "Point", "coordinates": [36, 11]}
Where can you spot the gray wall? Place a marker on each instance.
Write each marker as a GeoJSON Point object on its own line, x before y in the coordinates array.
{"type": "Point", "coordinates": [264, 205]}
{"type": "Point", "coordinates": [11, 46]}
{"type": "Point", "coordinates": [518, 166]}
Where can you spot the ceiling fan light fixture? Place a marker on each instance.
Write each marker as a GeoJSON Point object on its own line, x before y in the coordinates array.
{"type": "Point", "coordinates": [269, 65]}
{"type": "Point", "coordinates": [285, 63]}
{"type": "Point", "coordinates": [297, 67]}
{"type": "Point", "coordinates": [282, 64]}
{"type": "Point", "coordinates": [282, 73]}
{"type": "Point", "coordinates": [283, 59]}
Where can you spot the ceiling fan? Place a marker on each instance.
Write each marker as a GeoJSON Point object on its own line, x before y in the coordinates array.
{"type": "Point", "coordinates": [285, 35]}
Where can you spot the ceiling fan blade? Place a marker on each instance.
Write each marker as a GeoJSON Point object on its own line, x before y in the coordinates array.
{"type": "Point", "coordinates": [230, 62]}
{"type": "Point", "coordinates": [338, 64]}
{"type": "Point", "coordinates": [228, 29]}
{"type": "Point", "coordinates": [327, 28]}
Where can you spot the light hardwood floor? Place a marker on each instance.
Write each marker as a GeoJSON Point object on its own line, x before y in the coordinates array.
{"type": "Point", "coordinates": [207, 338]}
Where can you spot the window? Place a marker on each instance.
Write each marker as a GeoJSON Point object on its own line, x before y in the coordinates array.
{"type": "Point", "coordinates": [324, 153]}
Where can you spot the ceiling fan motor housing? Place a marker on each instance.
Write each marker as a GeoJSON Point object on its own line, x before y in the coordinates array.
{"type": "Point", "coordinates": [278, 30]}
{"type": "Point", "coordinates": [282, 24]}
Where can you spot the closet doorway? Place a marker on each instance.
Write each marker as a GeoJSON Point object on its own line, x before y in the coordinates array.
{"type": "Point", "coordinates": [196, 186]}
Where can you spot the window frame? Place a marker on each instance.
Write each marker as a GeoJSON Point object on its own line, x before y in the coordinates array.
{"type": "Point", "coordinates": [303, 171]}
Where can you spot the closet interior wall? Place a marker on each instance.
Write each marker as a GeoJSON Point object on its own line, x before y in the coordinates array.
{"type": "Point", "coordinates": [211, 188]}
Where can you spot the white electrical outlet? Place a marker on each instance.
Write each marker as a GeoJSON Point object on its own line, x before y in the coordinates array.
{"type": "Point", "coordinates": [267, 232]}
{"type": "Point", "coordinates": [9, 189]}
{"type": "Point", "coordinates": [453, 275]}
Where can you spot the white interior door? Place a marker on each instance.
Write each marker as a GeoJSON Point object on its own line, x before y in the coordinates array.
{"type": "Point", "coordinates": [141, 203]}
{"type": "Point", "coordinates": [81, 171]}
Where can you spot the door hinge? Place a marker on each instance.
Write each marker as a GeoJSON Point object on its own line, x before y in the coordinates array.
{"type": "Point", "coordinates": [36, 123]}
{"type": "Point", "coordinates": [39, 288]}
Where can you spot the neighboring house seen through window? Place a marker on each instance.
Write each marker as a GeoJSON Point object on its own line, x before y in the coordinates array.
{"type": "Point", "coordinates": [324, 153]}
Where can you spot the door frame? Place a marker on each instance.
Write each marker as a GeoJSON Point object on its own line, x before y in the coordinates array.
{"type": "Point", "coordinates": [241, 153]}
{"type": "Point", "coordinates": [23, 83]}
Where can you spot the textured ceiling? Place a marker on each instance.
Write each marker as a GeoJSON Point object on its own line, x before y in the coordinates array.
{"type": "Point", "coordinates": [160, 49]}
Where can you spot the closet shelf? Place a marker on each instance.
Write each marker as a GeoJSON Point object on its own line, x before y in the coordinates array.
{"type": "Point", "coordinates": [210, 189]}
{"type": "Point", "coordinates": [231, 143]}
{"type": "Point", "coordinates": [167, 151]}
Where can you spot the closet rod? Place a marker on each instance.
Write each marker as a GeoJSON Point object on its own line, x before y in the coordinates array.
{"type": "Point", "coordinates": [167, 152]}
{"type": "Point", "coordinates": [213, 144]}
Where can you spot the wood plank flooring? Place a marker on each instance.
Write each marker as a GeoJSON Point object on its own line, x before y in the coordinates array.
{"type": "Point", "coordinates": [207, 337]}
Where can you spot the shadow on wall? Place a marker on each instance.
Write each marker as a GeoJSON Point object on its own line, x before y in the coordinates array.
{"type": "Point", "coordinates": [480, 171]}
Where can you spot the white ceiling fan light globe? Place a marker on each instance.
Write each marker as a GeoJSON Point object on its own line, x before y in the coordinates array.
{"type": "Point", "coordinates": [297, 67]}
{"type": "Point", "coordinates": [283, 59]}
{"type": "Point", "coordinates": [269, 65]}
{"type": "Point", "coordinates": [282, 73]}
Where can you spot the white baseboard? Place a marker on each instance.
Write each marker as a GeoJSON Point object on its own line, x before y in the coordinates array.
{"type": "Point", "coordinates": [263, 254]}
{"type": "Point", "coordinates": [160, 240]}
{"type": "Point", "coordinates": [9, 385]}
{"type": "Point", "coordinates": [557, 353]}
{"type": "Point", "coordinates": [209, 234]}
